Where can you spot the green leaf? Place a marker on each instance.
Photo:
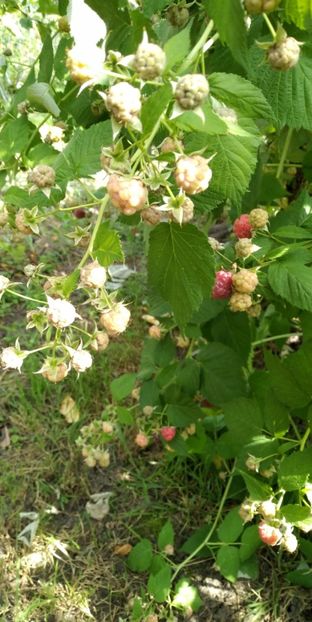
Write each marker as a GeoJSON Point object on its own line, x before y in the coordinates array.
{"type": "Point", "coordinates": [234, 331]}
{"type": "Point", "coordinates": [295, 470]}
{"type": "Point", "coordinates": [107, 246]}
{"type": "Point", "coordinates": [236, 92]}
{"type": "Point", "coordinates": [223, 378]}
{"type": "Point", "coordinates": [159, 584]}
{"type": "Point", "coordinates": [234, 162]}
{"type": "Point", "coordinates": [124, 416]}
{"type": "Point", "coordinates": [154, 106]}
{"type": "Point", "coordinates": [140, 558]}
{"type": "Point", "coordinates": [70, 282]}
{"type": "Point", "coordinates": [182, 416]}
{"type": "Point", "coordinates": [297, 515]}
{"type": "Point", "coordinates": [46, 61]}
{"type": "Point", "coordinates": [301, 576]}
{"type": "Point", "coordinates": [156, 6]}
{"type": "Point", "coordinates": [276, 419]}
{"type": "Point", "coordinates": [250, 542]}
{"type": "Point", "coordinates": [177, 47]}
{"type": "Point", "coordinates": [186, 596]}
{"type": "Point", "coordinates": [39, 95]}
{"type": "Point", "coordinates": [249, 569]}
{"type": "Point", "coordinates": [166, 536]}
{"type": "Point", "coordinates": [288, 92]}
{"type": "Point", "coordinates": [121, 387]}
{"type": "Point", "coordinates": [195, 540]}
{"type": "Point", "coordinates": [14, 137]}
{"type": "Point", "coordinates": [299, 12]}
{"type": "Point", "coordinates": [293, 232]}
{"type": "Point", "coordinates": [292, 281]}
{"type": "Point", "coordinates": [228, 17]}
{"type": "Point", "coordinates": [243, 418]}
{"type": "Point", "coordinates": [257, 488]}
{"type": "Point", "coordinates": [284, 384]}
{"type": "Point", "coordinates": [181, 267]}
{"type": "Point", "coordinates": [228, 562]}
{"type": "Point", "coordinates": [231, 527]}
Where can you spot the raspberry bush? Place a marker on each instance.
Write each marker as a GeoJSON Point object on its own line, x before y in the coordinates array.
{"type": "Point", "coordinates": [192, 124]}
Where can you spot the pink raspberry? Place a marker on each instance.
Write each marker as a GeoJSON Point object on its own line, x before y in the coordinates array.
{"type": "Point", "coordinates": [223, 285]}
{"type": "Point", "coordinates": [168, 433]}
{"type": "Point", "coordinates": [242, 227]}
{"type": "Point", "coordinates": [268, 534]}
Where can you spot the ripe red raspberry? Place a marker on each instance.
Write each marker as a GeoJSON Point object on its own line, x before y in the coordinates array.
{"type": "Point", "coordinates": [168, 433]}
{"type": "Point", "coordinates": [223, 285]}
{"type": "Point", "coordinates": [268, 534]}
{"type": "Point", "coordinates": [242, 227]}
{"type": "Point", "coordinates": [80, 213]}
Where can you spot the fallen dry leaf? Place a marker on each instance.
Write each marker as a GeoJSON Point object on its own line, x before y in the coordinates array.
{"type": "Point", "coordinates": [4, 438]}
{"type": "Point", "coordinates": [122, 549]}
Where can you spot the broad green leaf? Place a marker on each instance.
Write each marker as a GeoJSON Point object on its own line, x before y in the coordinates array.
{"type": "Point", "coordinates": [121, 387]}
{"type": "Point", "coordinates": [124, 416]}
{"type": "Point", "coordinates": [223, 378]}
{"type": "Point", "coordinates": [181, 267]}
{"type": "Point", "coordinates": [228, 562]}
{"type": "Point", "coordinates": [250, 542]}
{"type": "Point", "coordinates": [195, 540]}
{"type": "Point", "coordinates": [301, 576]}
{"type": "Point", "coordinates": [14, 137]}
{"type": "Point", "coordinates": [283, 383]}
{"type": "Point", "coordinates": [154, 106]}
{"type": "Point", "coordinates": [297, 515]}
{"type": "Point", "coordinates": [81, 157]}
{"type": "Point", "coordinates": [166, 536]}
{"type": "Point", "coordinates": [228, 17]}
{"type": "Point", "coordinates": [243, 419]}
{"type": "Point", "coordinates": [236, 92]}
{"type": "Point", "coordinates": [231, 527]}
{"type": "Point", "coordinates": [212, 124]}
{"type": "Point", "coordinates": [182, 416]}
{"type": "Point", "coordinates": [186, 596]}
{"type": "Point", "coordinates": [298, 213]}
{"type": "Point", "coordinates": [276, 419]}
{"type": "Point", "coordinates": [293, 232]}
{"type": "Point", "coordinates": [150, 8]}
{"type": "Point", "coordinates": [288, 92]}
{"type": "Point", "coordinates": [107, 246]}
{"type": "Point", "coordinates": [70, 283]}
{"type": "Point", "coordinates": [249, 569]}
{"type": "Point", "coordinates": [159, 584]}
{"type": "Point", "coordinates": [39, 95]}
{"type": "Point", "coordinates": [234, 331]}
{"type": "Point", "coordinates": [295, 470]}
{"type": "Point", "coordinates": [46, 61]}
{"type": "Point", "coordinates": [234, 162]}
{"type": "Point", "coordinates": [292, 281]}
{"type": "Point", "coordinates": [140, 558]}
{"type": "Point", "coordinates": [299, 12]}
{"type": "Point", "coordinates": [299, 365]}
{"type": "Point", "coordinates": [177, 48]}
{"type": "Point", "coordinates": [257, 488]}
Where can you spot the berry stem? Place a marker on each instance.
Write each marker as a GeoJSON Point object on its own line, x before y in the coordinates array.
{"type": "Point", "coordinates": [200, 43]}
{"type": "Point", "coordinates": [180, 567]}
{"type": "Point", "coordinates": [269, 25]}
{"type": "Point", "coordinates": [305, 438]}
{"type": "Point", "coordinates": [267, 339]}
{"type": "Point", "coordinates": [10, 291]}
{"type": "Point", "coordinates": [94, 233]}
{"type": "Point", "coordinates": [284, 152]}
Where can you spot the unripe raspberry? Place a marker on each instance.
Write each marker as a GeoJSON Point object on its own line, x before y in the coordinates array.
{"type": "Point", "coordinates": [268, 509]}
{"type": "Point", "coordinates": [182, 342]}
{"type": "Point", "coordinates": [63, 24]}
{"type": "Point", "coordinates": [149, 61]}
{"type": "Point", "coordinates": [192, 174]}
{"type": "Point", "coordinates": [128, 195]}
{"type": "Point", "coordinates": [150, 319]}
{"type": "Point", "coordinates": [54, 372]}
{"type": "Point", "coordinates": [21, 223]}
{"type": "Point", "coordinates": [148, 411]}
{"type": "Point", "coordinates": [93, 275]}
{"type": "Point", "coordinates": [242, 227]}
{"type": "Point", "coordinates": [69, 409]}
{"type": "Point", "coordinates": [171, 144]}
{"type": "Point", "coordinates": [124, 102]}
{"type": "Point", "coordinates": [243, 248]}
{"type": "Point", "coordinates": [168, 433]}
{"type": "Point", "coordinates": [151, 216]}
{"type": "Point", "coordinates": [116, 320]}
{"type": "Point", "coordinates": [169, 550]}
{"type": "Point", "coordinates": [290, 543]}
{"type": "Point", "coordinates": [154, 332]}
{"type": "Point", "coordinates": [60, 313]}
{"type": "Point", "coordinates": [84, 64]}
{"type": "Point", "coordinates": [214, 243]}
{"type": "Point", "coordinates": [12, 358]}
{"type": "Point", "coordinates": [178, 15]}
{"type": "Point", "coordinates": [135, 393]}
{"type": "Point", "coordinates": [284, 54]}
{"type": "Point", "coordinates": [245, 281]}
{"type": "Point", "coordinates": [268, 534]}
{"type": "Point", "coordinates": [90, 461]}
{"type": "Point", "coordinates": [247, 510]}
{"type": "Point", "coordinates": [100, 342]}
{"type": "Point", "coordinates": [223, 285]}
{"type": "Point", "coordinates": [240, 302]}
{"type": "Point", "coordinates": [191, 91]}
{"type": "Point", "coordinates": [252, 463]}
{"type": "Point", "coordinates": [4, 214]}
{"type": "Point", "coordinates": [141, 440]}
{"type": "Point", "coordinates": [255, 310]}
{"type": "Point", "coordinates": [258, 218]}
{"type": "Point", "coordinates": [103, 459]}
{"type": "Point", "coordinates": [107, 427]}
{"type": "Point", "coordinates": [254, 7]}
{"type": "Point", "coordinates": [81, 360]}
{"type": "Point", "coordinates": [187, 211]}
{"type": "Point", "coordinates": [42, 176]}
{"type": "Point", "coordinates": [4, 283]}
